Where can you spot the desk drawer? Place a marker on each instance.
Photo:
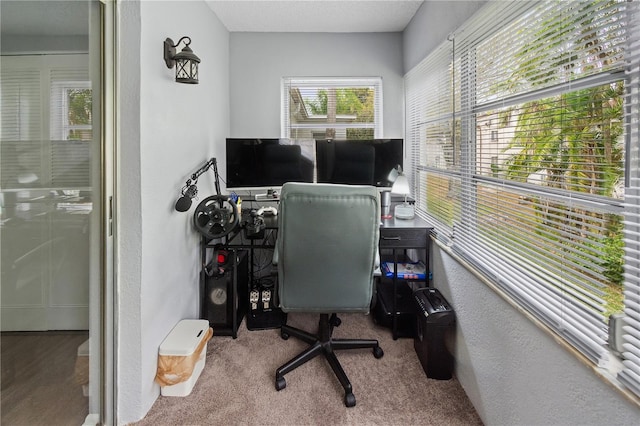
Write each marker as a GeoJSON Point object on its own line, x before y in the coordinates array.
{"type": "Point", "coordinates": [403, 238]}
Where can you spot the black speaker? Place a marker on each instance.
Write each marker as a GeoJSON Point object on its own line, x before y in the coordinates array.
{"type": "Point", "coordinates": [225, 292]}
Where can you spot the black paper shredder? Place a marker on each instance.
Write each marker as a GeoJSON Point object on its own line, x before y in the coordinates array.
{"type": "Point", "coordinates": [435, 326]}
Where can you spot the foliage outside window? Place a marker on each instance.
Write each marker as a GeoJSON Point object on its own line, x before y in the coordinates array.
{"type": "Point", "coordinates": [332, 108]}
{"type": "Point", "coordinates": [71, 109]}
{"type": "Point", "coordinates": [519, 125]}
{"type": "Point", "coordinates": [79, 114]}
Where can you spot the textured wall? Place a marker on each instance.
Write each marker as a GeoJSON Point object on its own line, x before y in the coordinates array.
{"type": "Point", "coordinates": [514, 372]}
{"type": "Point", "coordinates": [431, 25]}
{"type": "Point", "coordinates": [260, 60]}
{"type": "Point", "coordinates": [169, 130]}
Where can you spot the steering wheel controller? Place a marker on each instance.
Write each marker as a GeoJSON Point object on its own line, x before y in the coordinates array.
{"type": "Point", "coordinates": [216, 216]}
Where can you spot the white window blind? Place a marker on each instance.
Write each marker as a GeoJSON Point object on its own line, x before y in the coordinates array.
{"type": "Point", "coordinates": [331, 108]}
{"type": "Point", "coordinates": [435, 152]}
{"type": "Point", "coordinates": [524, 169]}
{"type": "Point", "coordinates": [630, 375]}
{"type": "Point", "coordinates": [46, 121]}
{"type": "Point", "coordinates": [21, 129]}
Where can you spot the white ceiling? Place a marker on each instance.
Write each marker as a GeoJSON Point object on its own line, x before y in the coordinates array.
{"type": "Point", "coordinates": [32, 18]}
{"type": "Point", "coordinates": [315, 15]}
{"type": "Point", "coordinates": [70, 17]}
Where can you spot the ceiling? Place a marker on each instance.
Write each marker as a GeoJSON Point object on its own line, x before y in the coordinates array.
{"type": "Point", "coordinates": [69, 18]}
{"type": "Point", "coordinates": [315, 15]}
{"type": "Point", "coordinates": [32, 18]}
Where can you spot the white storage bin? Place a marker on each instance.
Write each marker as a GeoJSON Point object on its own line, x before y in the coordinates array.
{"type": "Point", "coordinates": [181, 357]}
{"type": "Point", "coordinates": [81, 371]}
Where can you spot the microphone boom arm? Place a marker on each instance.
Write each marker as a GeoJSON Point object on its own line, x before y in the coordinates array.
{"type": "Point", "coordinates": [190, 191]}
{"type": "Point", "coordinates": [212, 163]}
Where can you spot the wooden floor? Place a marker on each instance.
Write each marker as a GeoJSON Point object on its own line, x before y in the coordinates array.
{"type": "Point", "coordinates": [38, 384]}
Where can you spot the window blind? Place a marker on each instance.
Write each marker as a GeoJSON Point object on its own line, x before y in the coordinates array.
{"type": "Point", "coordinates": [630, 374]}
{"type": "Point", "coordinates": [21, 115]}
{"type": "Point", "coordinates": [331, 108]}
{"type": "Point", "coordinates": [434, 149]}
{"type": "Point", "coordinates": [526, 176]}
{"type": "Point", "coordinates": [37, 118]}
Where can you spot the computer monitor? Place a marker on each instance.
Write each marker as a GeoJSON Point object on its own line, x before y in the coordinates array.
{"type": "Point", "coordinates": [262, 164]}
{"type": "Point", "coordinates": [358, 162]}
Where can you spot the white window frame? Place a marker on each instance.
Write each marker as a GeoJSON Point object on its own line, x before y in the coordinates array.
{"type": "Point", "coordinates": [336, 82]}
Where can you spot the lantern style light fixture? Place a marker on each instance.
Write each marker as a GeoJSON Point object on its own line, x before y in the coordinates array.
{"type": "Point", "coordinates": [186, 62]}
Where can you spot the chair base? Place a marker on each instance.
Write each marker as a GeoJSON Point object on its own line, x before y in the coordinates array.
{"type": "Point", "coordinates": [324, 344]}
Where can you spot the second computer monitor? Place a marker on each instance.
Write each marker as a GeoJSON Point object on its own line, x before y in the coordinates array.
{"type": "Point", "coordinates": [358, 162]}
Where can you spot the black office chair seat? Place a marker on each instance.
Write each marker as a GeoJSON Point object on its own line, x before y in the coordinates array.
{"type": "Point", "coordinates": [324, 343]}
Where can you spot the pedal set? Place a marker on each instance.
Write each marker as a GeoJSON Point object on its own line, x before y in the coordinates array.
{"type": "Point", "coordinates": [266, 299]}
{"type": "Point", "coordinates": [263, 296]}
{"type": "Point", "coordinates": [254, 297]}
{"type": "Point", "coordinates": [264, 312]}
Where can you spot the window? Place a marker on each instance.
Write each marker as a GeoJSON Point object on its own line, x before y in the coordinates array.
{"type": "Point", "coordinates": [523, 129]}
{"type": "Point", "coordinates": [331, 108]}
{"type": "Point", "coordinates": [71, 105]}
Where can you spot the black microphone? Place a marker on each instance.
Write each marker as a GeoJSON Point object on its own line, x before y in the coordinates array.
{"type": "Point", "coordinates": [188, 193]}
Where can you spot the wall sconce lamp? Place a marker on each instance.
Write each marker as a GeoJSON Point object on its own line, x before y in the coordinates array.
{"type": "Point", "coordinates": [186, 62]}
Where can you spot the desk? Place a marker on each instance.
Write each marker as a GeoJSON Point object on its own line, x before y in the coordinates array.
{"type": "Point", "coordinates": [225, 289]}
{"type": "Point", "coordinates": [394, 304]}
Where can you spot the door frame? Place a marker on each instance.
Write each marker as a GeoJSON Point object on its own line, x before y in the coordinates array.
{"type": "Point", "coordinates": [108, 37]}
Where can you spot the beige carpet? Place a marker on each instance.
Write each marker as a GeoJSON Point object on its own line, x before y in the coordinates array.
{"type": "Point", "coordinates": [237, 384]}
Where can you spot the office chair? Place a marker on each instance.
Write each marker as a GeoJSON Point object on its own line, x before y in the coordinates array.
{"type": "Point", "coordinates": [326, 253]}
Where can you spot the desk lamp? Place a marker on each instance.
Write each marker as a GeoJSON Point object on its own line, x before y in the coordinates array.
{"type": "Point", "coordinates": [385, 196]}
{"type": "Point", "coordinates": [401, 186]}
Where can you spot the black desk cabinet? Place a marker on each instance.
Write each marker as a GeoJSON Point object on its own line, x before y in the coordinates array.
{"type": "Point", "coordinates": [395, 307]}
{"type": "Point", "coordinates": [223, 288]}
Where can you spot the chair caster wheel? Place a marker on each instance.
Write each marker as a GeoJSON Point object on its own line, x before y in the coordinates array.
{"type": "Point", "coordinates": [336, 322]}
{"type": "Point", "coordinates": [284, 335]}
{"type": "Point", "coordinates": [349, 400]}
{"type": "Point", "coordinates": [281, 383]}
{"type": "Point", "coordinates": [378, 352]}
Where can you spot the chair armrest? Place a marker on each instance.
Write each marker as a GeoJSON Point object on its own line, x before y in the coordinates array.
{"type": "Point", "coordinates": [376, 266]}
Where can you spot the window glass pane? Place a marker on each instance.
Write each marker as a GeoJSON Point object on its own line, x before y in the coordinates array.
{"type": "Point", "coordinates": [79, 102]}
{"type": "Point", "coordinates": [559, 243]}
{"type": "Point", "coordinates": [332, 108]}
{"type": "Point", "coordinates": [440, 148]}
{"type": "Point", "coordinates": [331, 133]}
{"type": "Point", "coordinates": [572, 141]}
{"type": "Point", "coordinates": [543, 48]}
{"type": "Point", "coordinates": [440, 193]}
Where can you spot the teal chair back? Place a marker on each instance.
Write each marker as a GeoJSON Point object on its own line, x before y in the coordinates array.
{"type": "Point", "coordinates": [327, 247]}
